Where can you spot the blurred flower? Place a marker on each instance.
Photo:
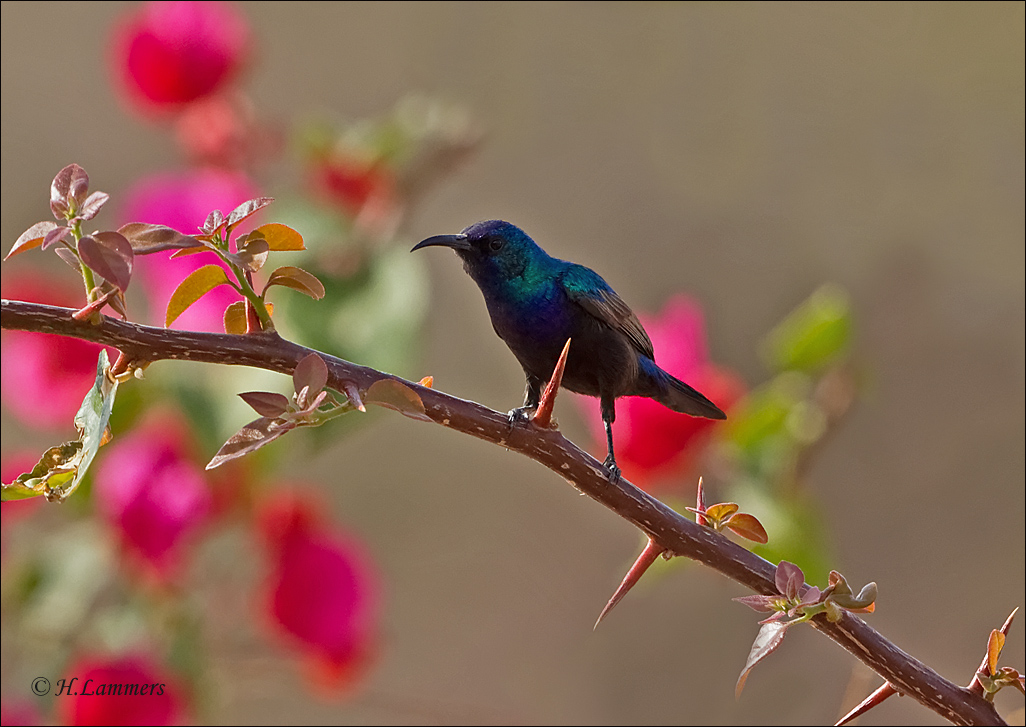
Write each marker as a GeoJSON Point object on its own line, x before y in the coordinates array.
{"type": "Point", "coordinates": [97, 701]}
{"type": "Point", "coordinates": [653, 441]}
{"type": "Point", "coordinates": [183, 200]}
{"type": "Point", "coordinates": [166, 54]}
{"type": "Point", "coordinates": [222, 130]}
{"type": "Point", "coordinates": [323, 591]}
{"type": "Point", "coordinates": [152, 493]}
{"type": "Point", "coordinates": [45, 377]}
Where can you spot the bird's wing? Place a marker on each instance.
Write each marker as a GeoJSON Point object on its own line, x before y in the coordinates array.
{"type": "Point", "coordinates": [587, 288]}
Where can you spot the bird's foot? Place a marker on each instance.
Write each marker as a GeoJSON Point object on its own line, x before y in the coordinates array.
{"type": "Point", "coordinates": [520, 415]}
{"type": "Point", "coordinates": [612, 469]}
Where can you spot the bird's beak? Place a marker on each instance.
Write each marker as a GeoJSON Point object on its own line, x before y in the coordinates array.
{"type": "Point", "coordinates": [456, 242]}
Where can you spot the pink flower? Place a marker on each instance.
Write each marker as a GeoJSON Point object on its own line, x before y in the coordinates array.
{"type": "Point", "coordinates": [45, 377]}
{"type": "Point", "coordinates": [323, 593]}
{"type": "Point", "coordinates": [652, 441]}
{"type": "Point", "coordinates": [152, 493]}
{"type": "Point", "coordinates": [166, 54]}
{"type": "Point", "coordinates": [101, 698]}
{"type": "Point", "coordinates": [182, 200]}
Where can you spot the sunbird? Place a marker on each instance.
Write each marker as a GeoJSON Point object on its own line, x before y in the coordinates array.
{"type": "Point", "coordinates": [536, 302]}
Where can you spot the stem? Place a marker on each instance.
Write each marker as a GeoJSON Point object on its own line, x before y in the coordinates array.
{"type": "Point", "coordinates": [667, 528]}
{"type": "Point", "coordinates": [87, 272]}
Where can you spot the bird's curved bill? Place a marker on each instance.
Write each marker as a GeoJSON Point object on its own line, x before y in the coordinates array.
{"type": "Point", "coordinates": [456, 242]}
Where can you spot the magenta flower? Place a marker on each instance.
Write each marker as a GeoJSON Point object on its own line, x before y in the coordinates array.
{"type": "Point", "coordinates": [166, 54]}
{"type": "Point", "coordinates": [651, 440]}
{"type": "Point", "coordinates": [99, 693]}
{"type": "Point", "coordinates": [183, 200]}
{"type": "Point", "coordinates": [153, 495]}
{"type": "Point", "coordinates": [323, 592]}
{"type": "Point", "coordinates": [45, 377]}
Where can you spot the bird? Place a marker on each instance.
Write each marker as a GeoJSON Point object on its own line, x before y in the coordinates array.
{"type": "Point", "coordinates": [536, 302]}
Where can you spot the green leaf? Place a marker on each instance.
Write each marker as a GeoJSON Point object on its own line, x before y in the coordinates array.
{"type": "Point", "coordinates": [61, 468]}
{"type": "Point", "coordinates": [813, 336]}
{"type": "Point", "coordinates": [199, 282]}
{"type": "Point", "coordinates": [297, 279]}
{"type": "Point", "coordinates": [281, 238]}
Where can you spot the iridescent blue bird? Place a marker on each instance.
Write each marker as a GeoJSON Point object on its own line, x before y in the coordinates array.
{"type": "Point", "coordinates": [536, 302]}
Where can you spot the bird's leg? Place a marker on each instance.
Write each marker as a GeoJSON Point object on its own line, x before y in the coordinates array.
{"type": "Point", "coordinates": [532, 395]}
{"type": "Point", "coordinates": [608, 417]}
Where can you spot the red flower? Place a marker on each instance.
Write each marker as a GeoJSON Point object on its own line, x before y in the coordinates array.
{"type": "Point", "coordinates": [101, 699]}
{"type": "Point", "coordinates": [323, 592]}
{"type": "Point", "coordinates": [45, 377]}
{"type": "Point", "coordinates": [153, 494]}
{"type": "Point", "coordinates": [653, 441]}
{"type": "Point", "coordinates": [182, 200]}
{"type": "Point", "coordinates": [166, 54]}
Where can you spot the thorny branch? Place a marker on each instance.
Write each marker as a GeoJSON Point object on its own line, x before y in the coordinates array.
{"type": "Point", "coordinates": [667, 528]}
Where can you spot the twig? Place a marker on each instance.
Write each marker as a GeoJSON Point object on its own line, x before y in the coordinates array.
{"type": "Point", "coordinates": [664, 526]}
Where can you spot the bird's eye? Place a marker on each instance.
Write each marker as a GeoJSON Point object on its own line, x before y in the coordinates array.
{"type": "Point", "coordinates": [495, 244]}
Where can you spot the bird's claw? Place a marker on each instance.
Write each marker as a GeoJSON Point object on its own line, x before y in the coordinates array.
{"type": "Point", "coordinates": [520, 415]}
{"type": "Point", "coordinates": [612, 469]}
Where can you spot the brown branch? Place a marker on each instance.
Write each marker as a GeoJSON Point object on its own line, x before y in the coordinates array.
{"type": "Point", "coordinates": [663, 525]}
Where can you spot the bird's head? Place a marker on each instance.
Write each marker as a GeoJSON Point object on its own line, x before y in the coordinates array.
{"type": "Point", "coordinates": [491, 250]}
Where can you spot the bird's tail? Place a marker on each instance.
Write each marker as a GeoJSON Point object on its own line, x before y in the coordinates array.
{"type": "Point", "coordinates": [674, 394]}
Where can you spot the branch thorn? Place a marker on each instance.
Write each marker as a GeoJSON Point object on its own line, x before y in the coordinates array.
{"type": "Point", "coordinates": [648, 556]}
{"type": "Point", "coordinates": [543, 414]}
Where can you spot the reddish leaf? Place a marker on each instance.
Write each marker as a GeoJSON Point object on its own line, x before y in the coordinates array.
{"type": "Point", "coordinates": [281, 238]}
{"type": "Point", "coordinates": [266, 403]}
{"type": "Point", "coordinates": [147, 239]}
{"type": "Point", "coordinates": [246, 209]}
{"type": "Point", "coordinates": [199, 282]}
{"type": "Point", "coordinates": [110, 255]}
{"type": "Point", "coordinates": [396, 395]}
{"type": "Point", "coordinates": [32, 237]}
{"type": "Point", "coordinates": [252, 254]}
{"type": "Point", "coordinates": [297, 279]}
{"type": "Point", "coordinates": [310, 372]}
{"type": "Point", "coordinates": [214, 223]}
{"type": "Point", "coordinates": [68, 188]}
{"type": "Point", "coordinates": [69, 257]}
{"type": "Point", "coordinates": [789, 579]}
{"type": "Point", "coordinates": [427, 382]}
{"type": "Point", "coordinates": [748, 526]}
{"type": "Point", "coordinates": [92, 205]}
{"type": "Point", "coordinates": [250, 438]}
{"type": "Point", "coordinates": [770, 636]}
{"type": "Point", "coordinates": [55, 236]}
{"type": "Point", "coordinates": [235, 318]}
{"type": "Point", "coordinates": [760, 603]}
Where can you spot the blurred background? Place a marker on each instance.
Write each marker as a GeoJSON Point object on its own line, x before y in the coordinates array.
{"type": "Point", "coordinates": [718, 164]}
